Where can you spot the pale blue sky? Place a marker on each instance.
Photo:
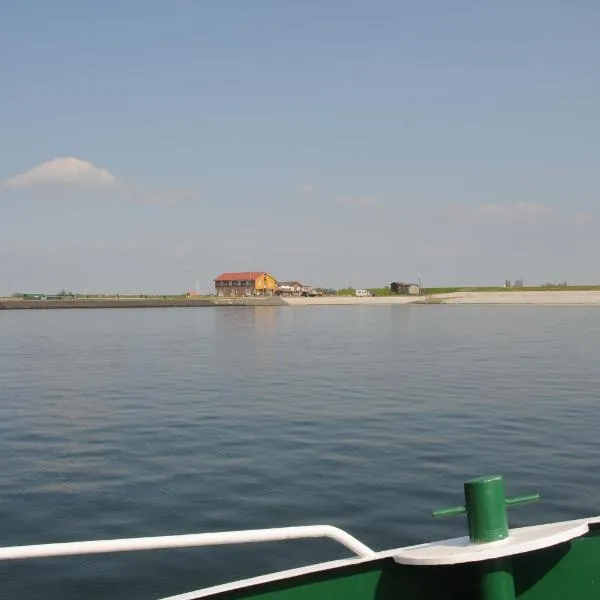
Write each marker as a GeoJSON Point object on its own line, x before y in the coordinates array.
{"type": "Point", "coordinates": [329, 141]}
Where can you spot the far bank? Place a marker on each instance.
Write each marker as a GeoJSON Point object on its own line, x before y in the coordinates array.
{"type": "Point", "coordinates": [534, 298]}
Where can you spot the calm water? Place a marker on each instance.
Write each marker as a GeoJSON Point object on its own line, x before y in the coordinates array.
{"type": "Point", "coordinates": [149, 422]}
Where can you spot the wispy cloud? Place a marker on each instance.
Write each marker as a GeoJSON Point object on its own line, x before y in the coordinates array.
{"type": "Point", "coordinates": [500, 210]}
{"type": "Point", "coordinates": [62, 171]}
{"type": "Point", "coordinates": [307, 189]}
{"type": "Point", "coordinates": [140, 195]}
{"type": "Point", "coordinates": [361, 201]}
{"type": "Point", "coordinates": [582, 218]}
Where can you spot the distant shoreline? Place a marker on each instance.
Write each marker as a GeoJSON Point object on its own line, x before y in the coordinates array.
{"type": "Point", "coordinates": [535, 298]}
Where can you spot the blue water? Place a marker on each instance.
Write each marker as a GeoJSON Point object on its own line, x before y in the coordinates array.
{"type": "Point", "coordinates": [120, 423]}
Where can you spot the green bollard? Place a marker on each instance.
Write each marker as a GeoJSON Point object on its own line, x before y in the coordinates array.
{"type": "Point", "coordinates": [485, 502]}
{"type": "Point", "coordinates": [485, 506]}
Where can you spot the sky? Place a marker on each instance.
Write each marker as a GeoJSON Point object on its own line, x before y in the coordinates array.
{"type": "Point", "coordinates": [150, 145]}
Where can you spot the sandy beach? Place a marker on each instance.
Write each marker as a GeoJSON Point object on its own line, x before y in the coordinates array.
{"type": "Point", "coordinates": [566, 298]}
{"type": "Point", "coordinates": [344, 300]}
{"type": "Point", "coordinates": [540, 298]}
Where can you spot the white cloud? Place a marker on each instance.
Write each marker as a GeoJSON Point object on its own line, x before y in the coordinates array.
{"type": "Point", "coordinates": [307, 189]}
{"type": "Point", "coordinates": [62, 171]}
{"type": "Point", "coordinates": [581, 218]}
{"type": "Point", "coordinates": [519, 209]}
{"type": "Point", "coordinates": [362, 201]}
{"type": "Point", "coordinates": [65, 172]}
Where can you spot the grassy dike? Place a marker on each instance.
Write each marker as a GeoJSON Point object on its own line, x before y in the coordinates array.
{"type": "Point", "coordinates": [147, 302]}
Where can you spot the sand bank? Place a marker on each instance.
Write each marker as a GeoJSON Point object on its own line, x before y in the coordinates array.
{"type": "Point", "coordinates": [343, 300]}
{"type": "Point", "coordinates": [555, 298]}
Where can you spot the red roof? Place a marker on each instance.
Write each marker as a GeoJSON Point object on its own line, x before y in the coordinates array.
{"type": "Point", "coordinates": [245, 276]}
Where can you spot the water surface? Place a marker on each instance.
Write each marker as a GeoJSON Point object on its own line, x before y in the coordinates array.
{"type": "Point", "coordinates": [164, 421]}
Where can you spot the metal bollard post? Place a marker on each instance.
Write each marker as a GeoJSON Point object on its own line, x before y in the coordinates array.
{"type": "Point", "coordinates": [485, 507]}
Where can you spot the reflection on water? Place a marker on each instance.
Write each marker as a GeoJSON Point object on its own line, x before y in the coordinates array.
{"type": "Point", "coordinates": [147, 422]}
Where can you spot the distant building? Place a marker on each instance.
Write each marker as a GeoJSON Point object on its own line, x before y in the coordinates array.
{"type": "Point", "coordinates": [246, 283]}
{"type": "Point", "coordinates": [310, 292]}
{"type": "Point", "coordinates": [289, 288]}
{"type": "Point", "coordinates": [410, 289]}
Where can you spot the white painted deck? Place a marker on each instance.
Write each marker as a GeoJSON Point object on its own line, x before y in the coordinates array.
{"type": "Point", "coordinates": [461, 550]}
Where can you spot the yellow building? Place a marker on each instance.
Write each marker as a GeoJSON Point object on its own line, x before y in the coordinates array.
{"type": "Point", "coordinates": [247, 283]}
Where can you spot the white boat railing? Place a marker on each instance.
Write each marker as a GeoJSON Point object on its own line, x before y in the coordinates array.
{"type": "Point", "coordinates": [188, 541]}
